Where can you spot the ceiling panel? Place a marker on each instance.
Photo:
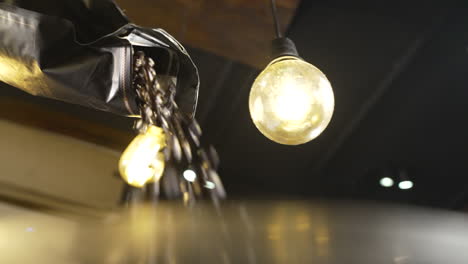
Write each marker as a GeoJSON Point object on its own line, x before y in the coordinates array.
{"type": "Point", "coordinates": [240, 30]}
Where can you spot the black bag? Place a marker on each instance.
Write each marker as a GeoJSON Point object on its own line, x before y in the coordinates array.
{"type": "Point", "coordinates": [80, 51]}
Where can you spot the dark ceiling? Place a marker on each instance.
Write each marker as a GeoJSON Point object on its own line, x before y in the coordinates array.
{"type": "Point", "coordinates": [400, 78]}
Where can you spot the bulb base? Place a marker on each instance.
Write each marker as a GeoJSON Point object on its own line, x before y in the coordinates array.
{"type": "Point", "coordinates": [283, 47]}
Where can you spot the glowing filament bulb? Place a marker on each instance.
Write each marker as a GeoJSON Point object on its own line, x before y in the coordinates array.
{"type": "Point", "coordinates": [143, 160]}
{"type": "Point", "coordinates": [291, 102]}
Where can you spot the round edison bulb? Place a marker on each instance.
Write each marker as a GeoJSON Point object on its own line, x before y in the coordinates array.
{"type": "Point", "coordinates": [143, 161]}
{"type": "Point", "coordinates": [291, 102]}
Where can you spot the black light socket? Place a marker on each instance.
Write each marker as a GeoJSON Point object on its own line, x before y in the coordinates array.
{"type": "Point", "coordinates": [283, 47]}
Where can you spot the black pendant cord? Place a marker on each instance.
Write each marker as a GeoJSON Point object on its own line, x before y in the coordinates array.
{"type": "Point", "coordinates": [280, 46]}
{"type": "Point", "coordinates": [274, 12]}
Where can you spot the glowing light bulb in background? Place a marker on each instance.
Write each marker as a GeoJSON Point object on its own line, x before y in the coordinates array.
{"type": "Point", "coordinates": [190, 175]}
{"type": "Point", "coordinates": [386, 182]}
{"type": "Point", "coordinates": [291, 102]}
{"type": "Point", "coordinates": [210, 185]}
{"type": "Point", "coordinates": [143, 161]}
{"type": "Point", "coordinates": [405, 185]}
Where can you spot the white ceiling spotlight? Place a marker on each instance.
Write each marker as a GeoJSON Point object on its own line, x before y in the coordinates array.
{"type": "Point", "coordinates": [405, 183]}
{"type": "Point", "coordinates": [386, 182]}
{"type": "Point", "coordinates": [400, 176]}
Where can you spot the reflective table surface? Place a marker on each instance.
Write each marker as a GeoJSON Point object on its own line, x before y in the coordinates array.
{"type": "Point", "coordinates": [237, 232]}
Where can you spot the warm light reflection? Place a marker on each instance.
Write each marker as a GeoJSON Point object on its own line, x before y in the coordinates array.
{"type": "Point", "coordinates": [143, 160]}
{"type": "Point", "coordinates": [23, 74]}
{"type": "Point", "coordinates": [246, 232]}
{"type": "Point", "coordinates": [290, 223]}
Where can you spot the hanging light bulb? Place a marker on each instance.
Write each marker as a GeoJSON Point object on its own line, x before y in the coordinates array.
{"type": "Point", "coordinates": [143, 160]}
{"type": "Point", "coordinates": [405, 182]}
{"type": "Point", "coordinates": [291, 102]}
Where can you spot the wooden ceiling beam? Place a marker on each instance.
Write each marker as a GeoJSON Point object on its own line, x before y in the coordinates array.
{"type": "Point", "coordinates": [240, 30]}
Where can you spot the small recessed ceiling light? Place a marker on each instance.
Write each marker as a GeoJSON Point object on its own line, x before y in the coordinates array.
{"type": "Point", "coordinates": [405, 185]}
{"type": "Point", "coordinates": [190, 175]}
{"type": "Point", "coordinates": [386, 182]}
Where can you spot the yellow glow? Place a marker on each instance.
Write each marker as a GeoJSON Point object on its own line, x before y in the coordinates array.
{"type": "Point", "coordinates": [292, 105]}
{"type": "Point", "coordinates": [143, 160]}
{"type": "Point", "coordinates": [291, 102]}
{"type": "Point", "coordinates": [23, 73]}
